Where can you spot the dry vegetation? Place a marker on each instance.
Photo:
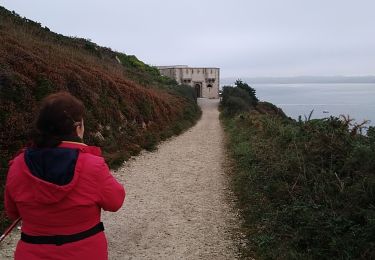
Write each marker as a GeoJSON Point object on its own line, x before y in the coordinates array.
{"type": "Point", "coordinates": [130, 107]}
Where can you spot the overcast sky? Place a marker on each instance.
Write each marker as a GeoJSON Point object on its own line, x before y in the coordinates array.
{"type": "Point", "coordinates": [245, 38]}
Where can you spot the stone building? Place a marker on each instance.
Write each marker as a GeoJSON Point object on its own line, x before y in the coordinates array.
{"type": "Point", "coordinates": [205, 81]}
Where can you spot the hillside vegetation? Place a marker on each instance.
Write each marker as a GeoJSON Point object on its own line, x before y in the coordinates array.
{"type": "Point", "coordinates": [130, 106]}
{"type": "Point", "coordinates": [306, 189]}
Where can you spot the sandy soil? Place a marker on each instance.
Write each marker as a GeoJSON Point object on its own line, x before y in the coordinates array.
{"type": "Point", "coordinates": [178, 203]}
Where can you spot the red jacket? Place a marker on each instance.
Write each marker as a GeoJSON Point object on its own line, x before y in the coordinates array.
{"type": "Point", "coordinates": [61, 191]}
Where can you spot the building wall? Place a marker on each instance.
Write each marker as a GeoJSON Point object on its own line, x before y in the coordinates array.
{"type": "Point", "coordinates": [203, 77]}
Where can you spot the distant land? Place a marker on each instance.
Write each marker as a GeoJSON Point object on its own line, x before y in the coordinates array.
{"type": "Point", "coordinates": [300, 80]}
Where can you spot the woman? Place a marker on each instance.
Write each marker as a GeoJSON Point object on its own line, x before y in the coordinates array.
{"type": "Point", "coordinates": [59, 186]}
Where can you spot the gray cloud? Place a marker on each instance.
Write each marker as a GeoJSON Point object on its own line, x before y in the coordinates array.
{"type": "Point", "coordinates": [243, 37]}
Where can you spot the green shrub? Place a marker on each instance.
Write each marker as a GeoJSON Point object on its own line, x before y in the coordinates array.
{"type": "Point", "coordinates": [187, 92]}
{"type": "Point", "coordinates": [235, 105]}
{"type": "Point", "coordinates": [238, 99]}
{"type": "Point", "coordinates": [236, 92]}
{"type": "Point", "coordinates": [249, 90]}
{"type": "Point", "coordinates": [306, 189]}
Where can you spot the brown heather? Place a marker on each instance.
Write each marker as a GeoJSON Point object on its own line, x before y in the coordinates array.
{"type": "Point", "coordinates": [130, 107]}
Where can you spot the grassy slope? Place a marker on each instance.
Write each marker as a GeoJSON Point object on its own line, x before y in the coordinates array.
{"type": "Point", "coordinates": [306, 189]}
{"type": "Point", "coordinates": [130, 106]}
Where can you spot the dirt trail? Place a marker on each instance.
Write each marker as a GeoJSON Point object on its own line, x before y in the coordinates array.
{"type": "Point", "coordinates": [177, 204]}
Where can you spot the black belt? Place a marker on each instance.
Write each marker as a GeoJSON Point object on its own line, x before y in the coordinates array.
{"type": "Point", "coordinates": [62, 239]}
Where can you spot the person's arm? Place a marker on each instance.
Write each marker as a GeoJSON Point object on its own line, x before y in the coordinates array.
{"type": "Point", "coordinates": [111, 193]}
{"type": "Point", "coordinates": [9, 204]}
{"type": "Point", "coordinates": [10, 207]}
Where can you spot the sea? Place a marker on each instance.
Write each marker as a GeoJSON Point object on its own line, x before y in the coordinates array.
{"type": "Point", "coordinates": [324, 100]}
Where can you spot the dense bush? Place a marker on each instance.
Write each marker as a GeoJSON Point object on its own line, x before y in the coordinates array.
{"type": "Point", "coordinates": [306, 189]}
{"type": "Point", "coordinates": [237, 99]}
{"type": "Point", "coordinates": [249, 90]}
{"type": "Point", "coordinates": [187, 92]}
{"type": "Point", "coordinates": [235, 104]}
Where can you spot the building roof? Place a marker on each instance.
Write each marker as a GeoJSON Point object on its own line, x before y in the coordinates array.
{"type": "Point", "coordinates": [183, 67]}
{"type": "Point", "coordinates": [172, 67]}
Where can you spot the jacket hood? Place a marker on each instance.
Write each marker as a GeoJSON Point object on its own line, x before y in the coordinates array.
{"type": "Point", "coordinates": [53, 171]}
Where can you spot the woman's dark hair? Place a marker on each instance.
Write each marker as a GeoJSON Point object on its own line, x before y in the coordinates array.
{"type": "Point", "coordinates": [58, 117]}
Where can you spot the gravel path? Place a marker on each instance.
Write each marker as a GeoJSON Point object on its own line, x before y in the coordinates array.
{"type": "Point", "coordinates": [178, 201]}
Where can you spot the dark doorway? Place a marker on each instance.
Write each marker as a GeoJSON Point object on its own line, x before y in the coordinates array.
{"type": "Point", "coordinates": [198, 90]}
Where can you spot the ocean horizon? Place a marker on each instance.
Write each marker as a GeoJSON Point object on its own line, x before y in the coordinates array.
{"type": "Point", "coordinates": [356, 100]}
